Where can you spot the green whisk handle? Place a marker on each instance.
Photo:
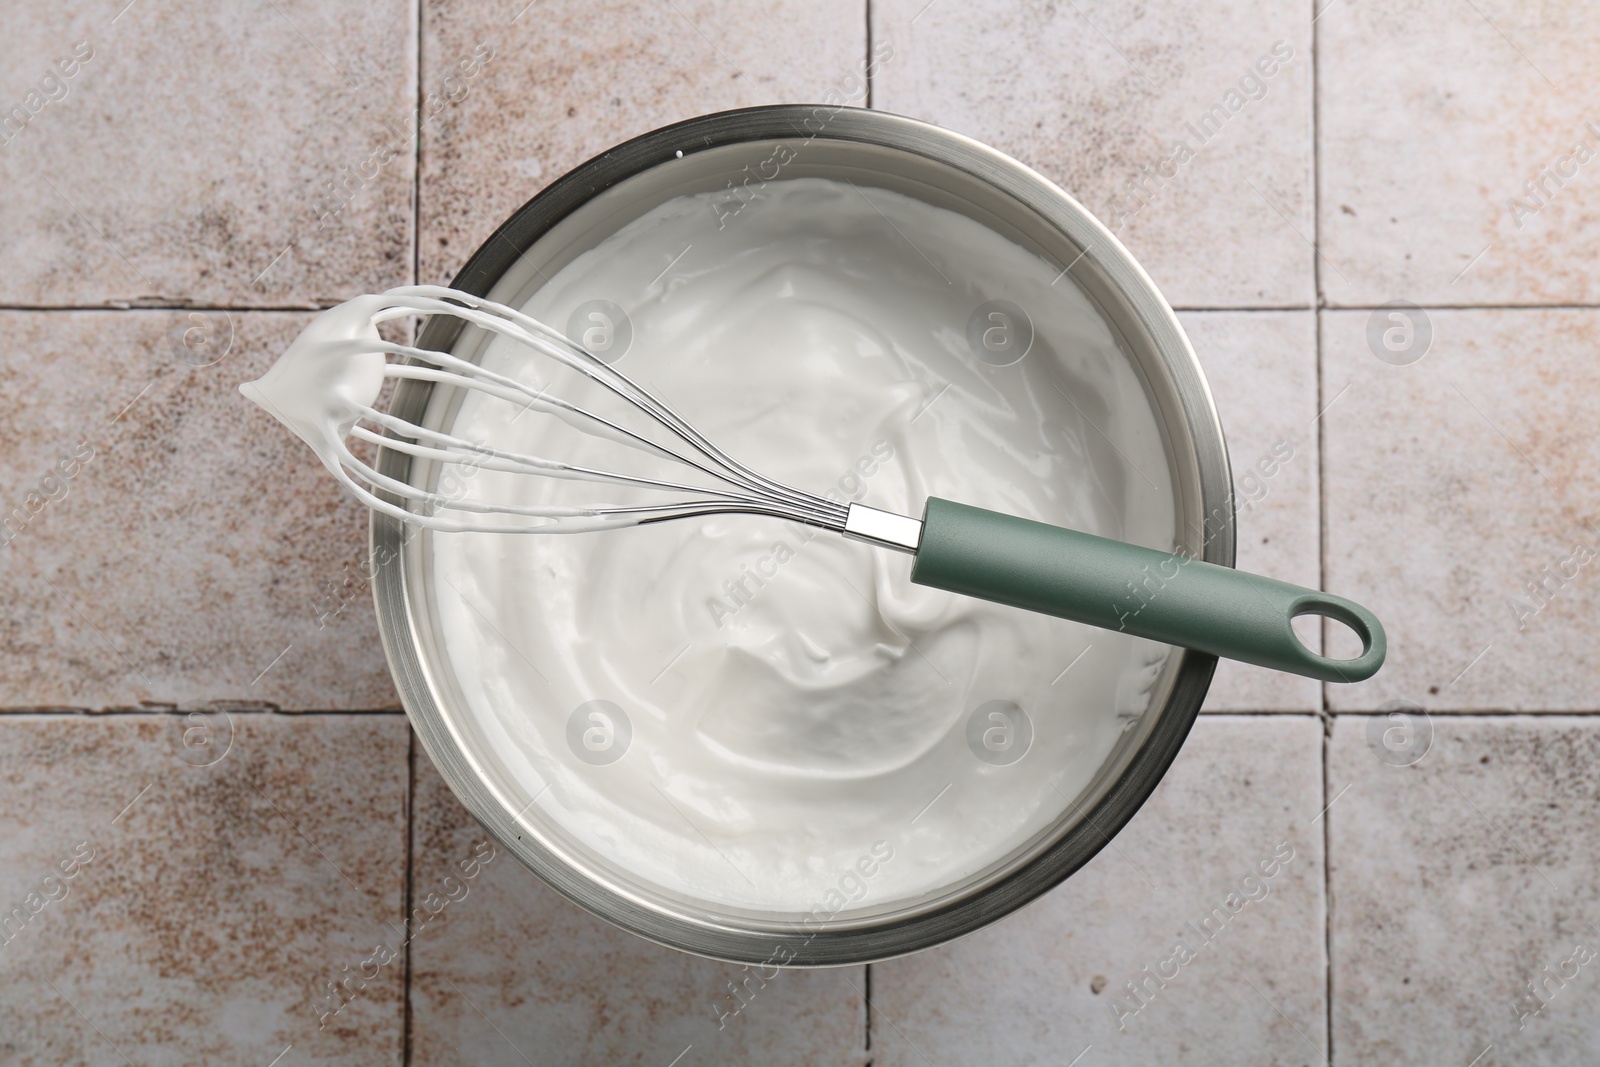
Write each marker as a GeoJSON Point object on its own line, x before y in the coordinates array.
{"type": "Point", "coordinates": [1162, 596]}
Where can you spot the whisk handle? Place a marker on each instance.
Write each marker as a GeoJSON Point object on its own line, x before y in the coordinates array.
{"type": "Point", "coordinates": [1164, 596]}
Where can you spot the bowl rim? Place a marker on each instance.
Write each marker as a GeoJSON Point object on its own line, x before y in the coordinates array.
{"type": "Point", "coordinates": [793, 944]}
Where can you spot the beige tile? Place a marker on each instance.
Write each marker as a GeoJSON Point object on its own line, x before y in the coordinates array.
{"type": "Point", "coordinates": [198, 542]}
{"type": "Point", "coordinates": [221, 885]}
{"type": "Point", "coordinates": [1456, 882]}
{"type": "Point", "coordinates": [1451, 484]}
{"type": "Point", "coordinates": [1262, 367]}
{"type": "Point", "coordinates": [509, 967]}
{"type": "Point", "coordinates": [1434, 115]}
{"type": "Point", "coordinates": [191, 151]}
{"type": "Point", "coordinates": [571, 78]}
{"type": "Point", "coordinates": [1100, 95]}
{"type": "Point", "coordinates": [1039, 986]}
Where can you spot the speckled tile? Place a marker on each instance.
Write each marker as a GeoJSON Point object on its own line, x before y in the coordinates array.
{"type": "Point", "coordinates": [194, 152]}
{"type": "Point", "coordinates": [570, 78]}
{"type": "Point", "coordinates": [1262, 367]}
{"type": "Point", "coordinates": [229, 867]}
{"type": "Point", "coordinates": [164, 539]}
{"type": "Point", "coordinates": [1104, 98]}
{"type": "Point", "coordinates": [1434, 118]}
{"type": "Point", "coordinates": [509, 971]}
{"type": "Point", "coordinates": [1454, 482]}
{"type": "Point", "coordinates": [1462, 881]}
{"type": "Point", "coordinates": [1046, 984]}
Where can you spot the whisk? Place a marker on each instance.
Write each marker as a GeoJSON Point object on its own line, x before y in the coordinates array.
{"type": "Point", "coordinates": [325, 388]}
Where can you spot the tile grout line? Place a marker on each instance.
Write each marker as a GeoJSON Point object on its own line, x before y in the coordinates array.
{"type": "Point", "coordinates": [866, 1007]}
{"type": "Point", "coordinates": [416, 152]}
{"type": "Point", "coordinates": [1327, 895]}
{"type": "Point", "coordinates": [126, 712]}
{"type": "Point", "coordinates": [868, 67]}
{"type": "Point", "coordinates": [238, 309]}
{"type": "Point", "coordinates": [1322, 527]}
{"type": "Point", "coordinates": [411, 837]}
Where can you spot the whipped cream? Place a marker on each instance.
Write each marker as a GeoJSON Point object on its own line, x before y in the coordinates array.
{"type": "Point", "coordinates": [741, 712]}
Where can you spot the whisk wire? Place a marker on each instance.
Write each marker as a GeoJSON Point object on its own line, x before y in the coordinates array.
{"type": "Point", "coordinates": [520, 463]}
{"type": "Point", "coordinates": [562, 349]}
{"type": "Point", "coordinates": [735, 488]}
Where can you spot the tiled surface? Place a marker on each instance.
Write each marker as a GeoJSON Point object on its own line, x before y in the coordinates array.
{"type": "Point", "coordinates": [224, 882]}
{"type": "Point", "coordinates": [496, 976]}
{"type": "Point", "coordinates": [557, 91]}
{"type": "Point", "coordinates": [1435, 115]}
{"type": "Point", "coordinates": [1107, 99]}
{"type": "Point", "coordinates": [1053, 980]}
{"type": "Point", "coordinates": [1454, 482]}
{"type": "Point", "coordinates": [195, 545]}
{"type": "Point", "coordinates": [196, 556]}
{"type": "Point", "coordinates": [1459, 881]}
{"type": "Point", "coordinates": [194, 149]}
{"type": "Point", "coordinates": [1262, 367]}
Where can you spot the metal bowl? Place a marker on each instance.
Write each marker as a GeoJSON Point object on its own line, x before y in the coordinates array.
{"type": "Point", "coordinates": [737, 151]}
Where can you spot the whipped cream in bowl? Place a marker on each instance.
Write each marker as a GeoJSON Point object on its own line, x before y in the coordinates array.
{"type": "Point", "coordinates": [753, 740]}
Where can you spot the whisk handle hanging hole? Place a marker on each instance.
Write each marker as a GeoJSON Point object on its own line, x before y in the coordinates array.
{"type": "Point", "coordinates": [1164, 596]}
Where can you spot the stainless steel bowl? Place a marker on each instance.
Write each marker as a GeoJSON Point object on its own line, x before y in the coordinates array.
{"type": "Point", "coordinates": [736, 151]}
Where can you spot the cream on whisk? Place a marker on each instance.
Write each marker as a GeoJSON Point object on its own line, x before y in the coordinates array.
{"type": "Point", "coordinates": [750, 713]}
